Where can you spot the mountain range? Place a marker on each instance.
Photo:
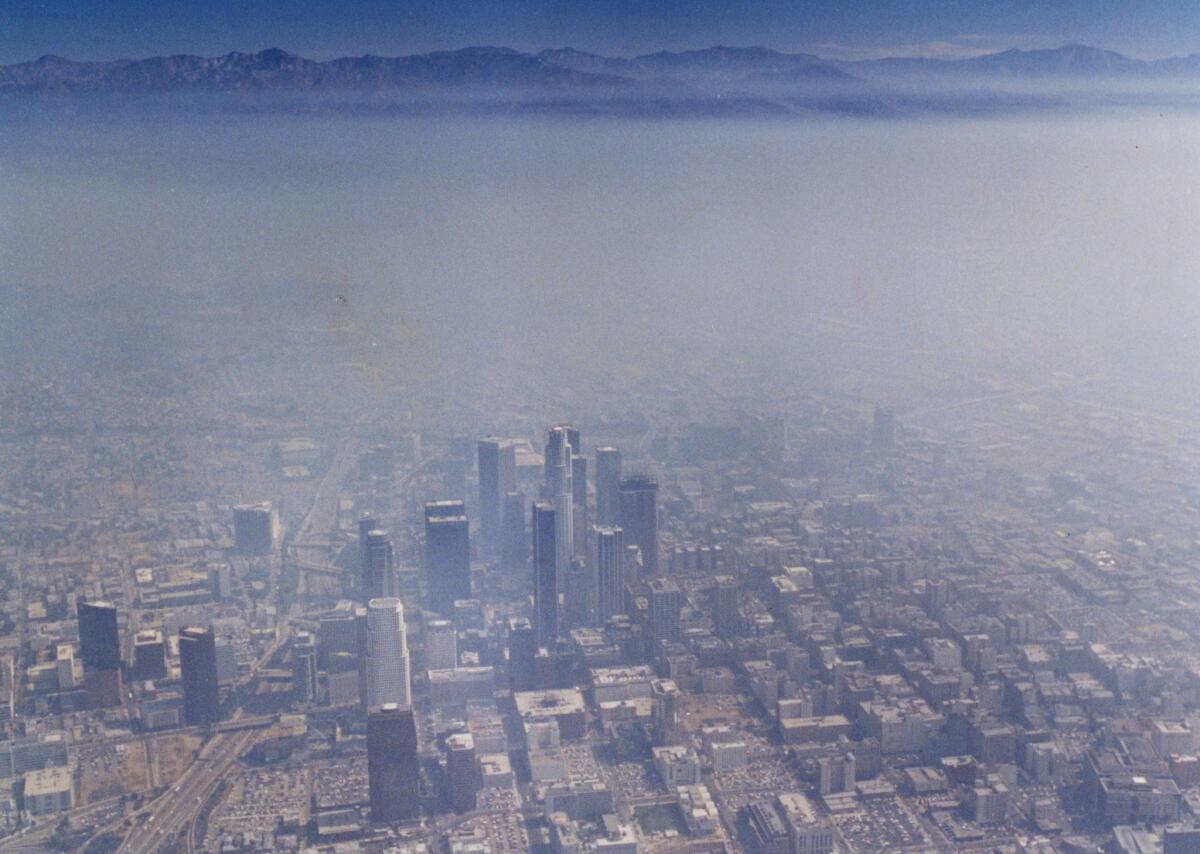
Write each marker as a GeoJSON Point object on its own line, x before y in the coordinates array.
{"type": "Point", "coordinates": [740, 78]}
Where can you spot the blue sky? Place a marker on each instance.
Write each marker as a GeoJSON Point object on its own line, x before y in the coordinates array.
{"type": "Point", "coordinates": [90, 29]}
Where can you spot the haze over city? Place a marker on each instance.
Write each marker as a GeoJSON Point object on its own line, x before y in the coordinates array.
{"type": "Point", "coordinates": [599, 427]}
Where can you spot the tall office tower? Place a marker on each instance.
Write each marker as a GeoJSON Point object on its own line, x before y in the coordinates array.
{"type": "Point", "coordinates": [579, 493]}
{"type": "Point", "coordinates": [378, 570]}
{"type": "Point", "coordinates": [220, 582]}
{"type": "Point", "coordinates": [64, 665]}
{"type": "Point", "coordinates": [441, 645]}
{"type": "Point", "coordinates": [573, 438]}
{"type": "Point", "coordinates": [608, 566]}
{"type": "Point", "coordinates": [559, 491]}
{"type": "Point", "coordinates": [149, 655]}
{"type": "Point", "coordinates": [633, 562]}
{"type": "Point", "coordinates": [198, 668]}
{"type": "Point", "coordinates": [608, 486]}
{"type": "Point", "coordinates": [304, 668]}
{"type": "Point", "coordinates": [514, 548]}
{"type": "Point", "coordinates": [342, 680]}
{"type": "Point", "coordinates": [666, 601]}
{"type": "Point", "coordinates": [462, 771]}
{"type": "Point", "coordinates": [254, 528]}
{"type": "Point", "coordinates": [522, 650]}
{"type": "Point", "coordinates": [99, 642]}
{"type": "Point", "coordinates": [883, 428]}
{"type": "Point", "coordinates": [337, 632]}
{"type": "Point", "coordinates": [497, 478]}
{"type": "Point", "coordinates": [578, 598]}
{"type": "Point", "coordinates": [639, 518]}
{"type": "Point", "coordinates": [447, 555]}
{"type": "Point", "coordinates": [393, 768]}
{"type": "Point", "coordinates": [664, 695]}
{"type": "Point", "coordinates": [725, 615]}
{"type": "Point", "coordinates": [545, 574]}
{"type": "Point", "coordinates": [362, 644]}
{"type": "Point", "coordinates": [366, 524]}
{"type": "Point", "coordinates": [388, 674]}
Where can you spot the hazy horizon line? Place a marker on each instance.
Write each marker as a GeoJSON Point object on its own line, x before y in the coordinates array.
{"type": "Point", "coordinates": [878, 54]}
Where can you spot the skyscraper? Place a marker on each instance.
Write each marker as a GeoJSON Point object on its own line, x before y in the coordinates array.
{"type": "Point", "coordinates": [883, 428]}
{"type": "Point", "coordinates": [664, 695]}
{"type": "Point", "coordinates": [514, 550]}
{"type": "Point", "coordinates": [378, 571]}
{"type": "Point", "coordinates": [522, 650]}
{"type": "Point", "coordinates": [608, 486]}
{"type": "Point", "coordinates": [608, 566]}
{"type": "Point", "coordinates": [579, 493]}
{"type": "Point", "coordinates": [725, 615]}
{"type": "Point", "coordinates": [497, 478]}
{"type": "Point", "coordinates": [149, 655]}
{"type": "Point", "coordinates": [573, 438]}
{"type": "Point", "coordinates": [545, 574]}
{"type": "Point", "coordinates": [393, 767]}
{"type": "Point", "coordinates": [441, 645]}
{"type": "Point", "coordinates": [99, 641]}
{"type": "Point", "coordinates": [337, 632]}
{"type": "Point", "coordinates": [462, 771]}
{"type": "Point", "coordinates": [304, 668]}
{"type": "Point", "coordinates": [666, 601]}
{"type": "Point", "coordinates": [198, 668]}
{"type": "Point", "coordinates": [100, 649]}
{"type": "Point", "coordinates": [387, 665]}
{"type": "Point", "coordinates": [578, 599]}
{"type": "Point", "coordinates": [366, 524]}
{"type": "Point", "coordinates": [362, 644]}
{"type": "Point", "coordinates": [447, 554]}
{"type": "Point", "coordinates": [254, 528]}
{"type": "Point", "coordinates": [559, 492]}
{"type": "Point", "coordinates": [639, 518]}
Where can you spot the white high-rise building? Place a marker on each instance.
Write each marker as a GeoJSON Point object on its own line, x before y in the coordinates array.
{"type": "Point", "coordinates": [560, 494]}
{"type": "Point", "coordinates": [388, 679]}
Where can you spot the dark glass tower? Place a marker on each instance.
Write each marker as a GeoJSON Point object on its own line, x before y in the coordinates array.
{"type": "Point", "coordinates": [639, 518]}
{"type": "Point", "coordinates": [514, 550]}
{"type": "Point", "coordinates": [579, 500]}
{"type": "Point", "coordinates": [378, 568]}
{"type": "Point", "coordinates": [447, 555]}
{"type": "Point", "coordinates": [545, 575]}
{"type": "Point", "coordinates": [497, 478]}
{"type": "Point", "coordinates": [462, 771]}
{"type": "Point", "coordinates": [608, 565]}
{"type": "Point", "coordinates": [522, 650]}
{"type": "Point", "coordinates": [198, 667]}
{"type": "Point", "coordinates": [608, 486]}
{"type": "Point", "coordinates": [393, 769]}
{"type": "Point", "coordinates": [99, 642]}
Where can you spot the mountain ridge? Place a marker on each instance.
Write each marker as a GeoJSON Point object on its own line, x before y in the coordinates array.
{"type": "Point", "coordinates": [561, 68]}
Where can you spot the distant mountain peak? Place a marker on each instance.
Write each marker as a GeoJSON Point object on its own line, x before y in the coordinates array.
{"type": "Point", "coordinates": [722, 77]}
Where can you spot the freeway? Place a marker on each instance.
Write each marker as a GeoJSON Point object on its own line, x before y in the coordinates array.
{"type": "Point", "coordinates": [172, 812]}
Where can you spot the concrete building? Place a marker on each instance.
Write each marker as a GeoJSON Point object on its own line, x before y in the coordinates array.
{"type": "Point", "coordinates": [441, 645]}
{"type": "Point", "coordinates": [49, 790]}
